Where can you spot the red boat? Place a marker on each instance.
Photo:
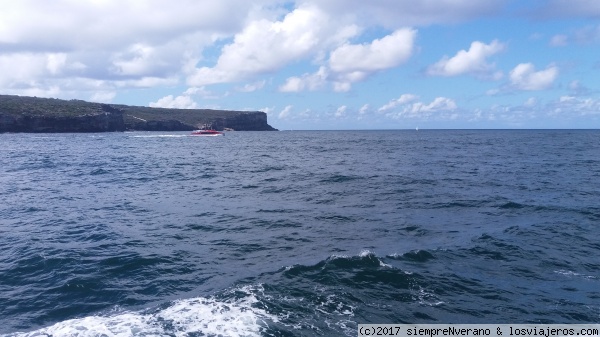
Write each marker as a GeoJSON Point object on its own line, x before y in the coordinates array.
{"type": "Point", "coordinates": [206, 133]}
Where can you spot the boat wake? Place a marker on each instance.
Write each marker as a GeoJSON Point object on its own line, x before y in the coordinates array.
{"type": "Point", "coordinates": [159, 136]}
{"type": "Point", "coordinates": [236, 316]}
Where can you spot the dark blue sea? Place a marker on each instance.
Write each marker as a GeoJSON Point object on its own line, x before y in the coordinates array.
{"type": "Point", "coordinates": [297, 233]}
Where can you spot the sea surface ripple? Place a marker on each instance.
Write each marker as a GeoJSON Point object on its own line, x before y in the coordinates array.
{"type": "Point", "coordinates": [303, 233]}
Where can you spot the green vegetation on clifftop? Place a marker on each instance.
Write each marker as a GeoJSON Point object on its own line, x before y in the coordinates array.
{"type": "Point", "coordinates": [51, 107]}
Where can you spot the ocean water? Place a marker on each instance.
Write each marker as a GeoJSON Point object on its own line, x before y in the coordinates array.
{"type": "Point", "coordinates": [296, 233]}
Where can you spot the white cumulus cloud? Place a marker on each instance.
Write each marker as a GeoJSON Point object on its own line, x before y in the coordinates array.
{"type": "Point", "coordinates": [179, 102]}
{"type": "Point", "coordinates": [252, 87]}
{"type": "Point", "coordinates": [438, 104]}
{"type": "Point", "coordinates": [285, 113]}
{"type": "Point", "coordinates": [111, 44]}
{"type": "Point", "coordinates": [341, 111]}
{"type": "Point", "coordinates": [403, 100]}
{"type": "Point", "coordinates": [265, 46]}
{"type": "Point", "coordinates": [364, 109]}
{"type": "Point", "coordinates": [380, 54]}
{"type": "Point", "coordinates": [351, 63]}
{"type": "Point", "coordinates": [525, 77]}
{"type": "Point", "coordinates": [307, 81]}
{"type": "Point", "coordinates": [574, 105]}
{"type": "Point", "coordinates": [113, 24]}
{"type": "Point", "coordinates": [103, 97]}
{"type": "Point", "coordinates": [354, 62]}
{"type": "Point", "coordinates": [472, 61]}
{"type": "Point", "coordinates": [409, 105]}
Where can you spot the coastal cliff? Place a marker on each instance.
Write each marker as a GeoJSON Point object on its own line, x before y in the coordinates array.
{"type": "Point", "coordinates": [32, 114]}
{"type": "Point", "coordinates": [162, 119]}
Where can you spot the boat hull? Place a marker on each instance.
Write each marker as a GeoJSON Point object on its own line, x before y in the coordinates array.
{"type": "Point", "coordinates": [210, 133]}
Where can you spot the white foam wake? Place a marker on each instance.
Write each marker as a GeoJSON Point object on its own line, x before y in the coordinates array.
{"type": "Point", "coordinates": [159, 136]}
{"type": "Point", "coordinates": [206, 316]}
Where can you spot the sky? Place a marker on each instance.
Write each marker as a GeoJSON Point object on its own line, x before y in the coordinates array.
{"type": "Point", "coordinates": [317, 64]}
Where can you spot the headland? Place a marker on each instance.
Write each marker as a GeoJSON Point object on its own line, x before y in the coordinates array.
{"type": "Point", "coordinates": [34, 114]}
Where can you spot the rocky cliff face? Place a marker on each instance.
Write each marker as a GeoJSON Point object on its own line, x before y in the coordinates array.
{"type": "Point", "coordinates": [106, 120]}
{"type": "Point", "coordinates": [133, 124]}
{"type": "Point", "coordinates": [249, 121]}
{"type": "Point", "coordinates": [31, 114]}
{"type": "Point", "coordinates": [245, 121]}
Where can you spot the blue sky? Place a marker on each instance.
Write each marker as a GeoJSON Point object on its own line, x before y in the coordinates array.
{"type": "Point", "coordinates": [317, 64]}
